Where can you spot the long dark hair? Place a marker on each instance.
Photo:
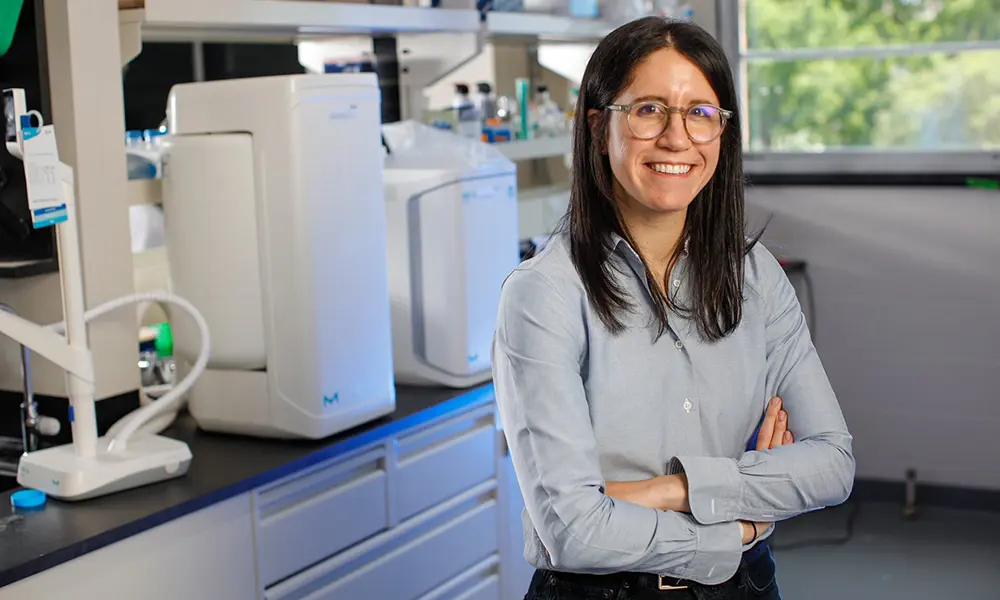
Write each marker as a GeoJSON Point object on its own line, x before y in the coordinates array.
{"type": "Point", "coordinates": [714, 232]}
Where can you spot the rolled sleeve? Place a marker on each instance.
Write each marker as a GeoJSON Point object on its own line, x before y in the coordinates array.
{"type": "Point", "coordinates": [538, 348]}
{"type": "Point", "coordinates": [714, 556]}
{"type": "Point", "coordinates": [714, 487]}
{"type": "Point", "coordinates": [814, 472]}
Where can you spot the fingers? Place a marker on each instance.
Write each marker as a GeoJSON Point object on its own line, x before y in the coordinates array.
{"type": "Point", "coordinates": [767, 428]}
{"type": "Point", "coordinates": [780, 429]}
{"type": "Point", "coordinates": [774, 430]}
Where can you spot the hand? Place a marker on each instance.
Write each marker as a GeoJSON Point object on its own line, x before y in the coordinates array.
{"type": "Point", "coordinates": [748, 530]}
{"type": "Point", "coordinates": [774, 431]}
{"type": "Point", "coordinates": [666, 492]}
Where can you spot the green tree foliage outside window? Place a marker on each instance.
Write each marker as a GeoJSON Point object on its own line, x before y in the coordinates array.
{"type": "Point", "coordinates": [927, 101]}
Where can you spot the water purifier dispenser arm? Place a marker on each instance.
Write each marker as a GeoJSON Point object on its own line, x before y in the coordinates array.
{"type": "Point", "coordinates": [89, 467]}
{"type": "Point", "coordinates": [137, 420]}
{"type": "Point", "coordinates": [70, 352]}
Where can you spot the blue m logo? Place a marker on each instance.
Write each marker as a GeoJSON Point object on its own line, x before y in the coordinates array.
{"type": "Point", "coordinates": [331, 400]}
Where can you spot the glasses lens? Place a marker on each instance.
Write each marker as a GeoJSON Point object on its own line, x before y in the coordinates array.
{"type": "Point", "coordinates": [647, 120]}
{"type": "Point", "coordinates": [704, 122]}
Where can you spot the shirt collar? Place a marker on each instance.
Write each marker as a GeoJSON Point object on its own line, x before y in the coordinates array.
{"type": "Point", "coordinates": [617, 244]}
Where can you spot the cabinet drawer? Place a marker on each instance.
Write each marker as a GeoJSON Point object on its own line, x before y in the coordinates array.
{"type": "Point", "coordinates": [488, 589]}
{"type": "Point", "coordinates": [481, 582]}
{"type": "Point", "coordinates": [444, 461]}
{"type": "Point", "coordinates": [417, 567]}
{"type": "Point", "coordinates": [409, 561]}
{"type": "Point", "coordinates": [317, 514]}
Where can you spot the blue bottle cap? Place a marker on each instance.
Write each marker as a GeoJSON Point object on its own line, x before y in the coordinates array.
{"type": "Point", "coordinates": [27, 499]}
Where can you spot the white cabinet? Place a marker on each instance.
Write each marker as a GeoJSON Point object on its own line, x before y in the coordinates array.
{"type": "Point", "coordinates": [416, 516]}
{"type": "Point", "coordinates": [408, 561]}
{"type": "Point", "coordinates": [207, 555]}
{"type": "Point", "coordinates": [433, 513]}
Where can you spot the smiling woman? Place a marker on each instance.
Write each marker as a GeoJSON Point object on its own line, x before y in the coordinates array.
{"type": "Point", "coordinates": [635, 355]}
{"type": "Point", "coordinates": [662, 129]}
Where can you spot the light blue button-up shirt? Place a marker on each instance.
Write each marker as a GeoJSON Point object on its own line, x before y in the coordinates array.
{"type": "Point", "coordinates": [581, 406]}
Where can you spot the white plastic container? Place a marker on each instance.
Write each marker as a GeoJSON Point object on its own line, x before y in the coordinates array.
{"type": "Point", "coordinates": [452, 239]}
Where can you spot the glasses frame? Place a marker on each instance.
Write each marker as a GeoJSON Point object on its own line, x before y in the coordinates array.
{"type": "Point", "coordinates": [681, 110]}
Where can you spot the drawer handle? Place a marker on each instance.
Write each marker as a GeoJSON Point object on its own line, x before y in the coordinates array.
{"type": "Point", "coordinates": [321, 496]}
{"type": "Point", "coordinates": [440, 444]}
{"type": "Point", "coordinates": [415, 442]}
{"type": "Point", "coordinates": [317, 482]}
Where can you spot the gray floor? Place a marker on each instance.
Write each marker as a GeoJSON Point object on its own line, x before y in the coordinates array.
{"type": "Point", "coordinates": [942, 554]}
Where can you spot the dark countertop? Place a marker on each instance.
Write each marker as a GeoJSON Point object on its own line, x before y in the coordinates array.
{"type": "Point", "coordinates": [223, 467]}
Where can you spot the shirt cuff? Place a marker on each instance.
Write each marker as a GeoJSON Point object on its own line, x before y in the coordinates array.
{"type": "Point", "coordinates": [717, 554]}
{"type": "Point", "coordinates": [714, 487]}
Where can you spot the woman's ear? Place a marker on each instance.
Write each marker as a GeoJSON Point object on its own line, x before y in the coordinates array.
{"type": "Point", "coordinates": [594, 122]}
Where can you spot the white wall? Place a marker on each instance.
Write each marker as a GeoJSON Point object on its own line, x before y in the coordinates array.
{"type": "Point", "coordinates": [908, 304]}
{"type": "Point", "coordinates": [908, 319]}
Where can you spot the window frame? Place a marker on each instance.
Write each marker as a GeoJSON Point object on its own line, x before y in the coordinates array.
{"type": "Point", "coordinates": [825, 167]}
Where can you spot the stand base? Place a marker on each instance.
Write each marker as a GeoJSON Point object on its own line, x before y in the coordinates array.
{"type": "Point", "coordinates": [62, 474]}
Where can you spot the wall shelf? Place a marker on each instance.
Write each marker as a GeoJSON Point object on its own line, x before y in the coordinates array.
{"type": "Point", "coordinates": [212, 19]}
{"type": "Point", "coordinates": [224, 20]}
{"type": "Point", "coordinates": [16, 269]}
{"type": "Point", "coordinates": [546, 26]}
{"type": "Point", "coordinates": [536, 148]}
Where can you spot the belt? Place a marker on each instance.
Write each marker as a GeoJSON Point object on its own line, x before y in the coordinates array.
{"type": "Point", "coordinates": [648, 580]}
{"type": "Point", "coordinates": [669, 583]}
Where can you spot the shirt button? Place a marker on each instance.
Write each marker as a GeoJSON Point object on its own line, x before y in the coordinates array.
{"type": "Point", "coordinates": [678, 344]}
{"type": "Point", "coordinates": [677, 283]}
{"type": "Point", "coordinates": [688, 405]}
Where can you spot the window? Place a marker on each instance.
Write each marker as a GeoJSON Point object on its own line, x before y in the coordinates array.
{"type": "Point", "coordinates": [861, 86]}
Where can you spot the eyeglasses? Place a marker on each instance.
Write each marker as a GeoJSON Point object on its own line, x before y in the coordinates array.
{"type": "Point", "coordinates": [648, 120]}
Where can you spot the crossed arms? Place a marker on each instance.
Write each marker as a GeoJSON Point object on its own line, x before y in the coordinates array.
{"type": "Point", "coordinates": [670, 492]}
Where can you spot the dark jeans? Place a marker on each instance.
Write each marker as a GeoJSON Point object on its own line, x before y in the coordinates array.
{"type": "Point", "coordinates": [753, 581]}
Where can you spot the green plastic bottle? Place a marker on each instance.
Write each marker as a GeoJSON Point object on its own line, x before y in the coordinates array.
{"type": "Point", "coordinates": [164, 342]}
{"type": "Point", "coordinates": [10, 12]}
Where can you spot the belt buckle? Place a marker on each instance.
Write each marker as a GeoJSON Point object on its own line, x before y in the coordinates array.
{"type": "Point", "coordinates": [663, 587]}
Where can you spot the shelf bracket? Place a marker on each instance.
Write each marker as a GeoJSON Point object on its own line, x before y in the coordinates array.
{"type": "Point", "coordinates": [425, 59]}
{"type": "Point", "coordinates": [130, 33]}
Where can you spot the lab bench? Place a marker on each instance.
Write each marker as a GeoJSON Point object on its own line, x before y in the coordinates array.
{"type": "Point", "coordinates": [421, 504]}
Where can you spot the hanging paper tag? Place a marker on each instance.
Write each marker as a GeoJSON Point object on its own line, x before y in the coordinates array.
{"type": "Point", "coordinates": [41, 170]}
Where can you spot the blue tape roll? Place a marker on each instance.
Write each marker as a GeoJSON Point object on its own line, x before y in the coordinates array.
{"type": "Point", "coordinates": [27, 499]}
